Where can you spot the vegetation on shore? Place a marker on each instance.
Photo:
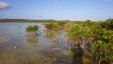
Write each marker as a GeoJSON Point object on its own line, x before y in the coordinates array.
{"type": "Point", "coordinates": [95, 37]}
{"type": "Point", "coordinates": [27, 20]}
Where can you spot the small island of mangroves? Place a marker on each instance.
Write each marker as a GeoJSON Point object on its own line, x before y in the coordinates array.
{"type": "Point", "coordinates": [53, 41]}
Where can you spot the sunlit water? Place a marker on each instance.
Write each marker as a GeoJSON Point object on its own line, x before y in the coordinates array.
{"type": "Point", "coordinates": [18, 48]}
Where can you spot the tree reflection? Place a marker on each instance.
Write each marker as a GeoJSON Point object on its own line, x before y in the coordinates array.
{"type": "Point", "coordinates": [19, 29]}
{"type": "Point", "coordinates": [77, 54]}
{"type": "Point", "coordinates": [32, 40]}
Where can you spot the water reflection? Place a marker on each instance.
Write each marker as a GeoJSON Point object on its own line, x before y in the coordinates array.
{"type": "Point", "coordinates": [4, 38]}
{"type": "Point", "coordinates": [32, 41]}
{"type": "Point", "coordinates": [19, 30]}
{"type": "Point", "coordinates": [25, 49]}
{"type": "Point", "coordinates": [77, 54]}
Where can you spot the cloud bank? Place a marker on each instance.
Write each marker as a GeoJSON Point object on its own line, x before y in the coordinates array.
{"type": "Point", "coordinates": [4, 5]}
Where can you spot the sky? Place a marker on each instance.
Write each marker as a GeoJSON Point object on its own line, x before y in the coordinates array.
{"type": "Point", "coordinates": [56, 9]}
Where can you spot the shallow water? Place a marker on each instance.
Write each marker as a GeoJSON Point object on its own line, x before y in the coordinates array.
{"type": "Point", "coordinates": [18, 48]}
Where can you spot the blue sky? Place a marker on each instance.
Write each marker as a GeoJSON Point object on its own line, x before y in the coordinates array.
{"type": "Point", "coordinates": [58, 9]}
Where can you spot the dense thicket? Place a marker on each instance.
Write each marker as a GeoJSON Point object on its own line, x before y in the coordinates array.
{"type": "Point", "coordinates": [96, 37]}
{"type": "Point", "coordinates": [108, 24]}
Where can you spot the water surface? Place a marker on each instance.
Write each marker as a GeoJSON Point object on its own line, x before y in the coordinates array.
{"type": "Point", "coordinates": [18, 48]}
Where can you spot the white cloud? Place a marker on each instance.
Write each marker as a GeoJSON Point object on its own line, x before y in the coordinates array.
{"type": "Point", "coordinates": [4, 5]}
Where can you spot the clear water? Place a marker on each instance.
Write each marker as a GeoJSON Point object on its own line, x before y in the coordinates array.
{"type": "Point", "coordinates": [18, 48]}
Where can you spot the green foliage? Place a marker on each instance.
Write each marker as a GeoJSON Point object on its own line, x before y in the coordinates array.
{"type": "Point", "coordinates": [62, 23]}
{"type": "Point", "coordinates": [98, 34]}
{"type": "Point", "coordinates": [49, 26]}
{"type": "Point", "coordinates": [52, 26]}
{"type": "Point", "coordinates": [79, 31]}
{"type": "Point", "coordinates": [52, 29]}
{"type": "Point", "coordinates": [50, 36]}
{"type": "Point", "coordinates": [102, 35]}
{"type": "Point", "coordinates": [32, 28]}
{"type": "Point", "coordinates": [108, 24]}
{"type": "Point", "coordinates": [104, 43]}
{"type": "Point", "coordinates": [88, 20]}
